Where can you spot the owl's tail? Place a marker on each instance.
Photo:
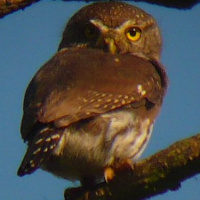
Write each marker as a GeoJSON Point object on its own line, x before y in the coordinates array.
{"type": "Point", "coordinates": [39, 150]}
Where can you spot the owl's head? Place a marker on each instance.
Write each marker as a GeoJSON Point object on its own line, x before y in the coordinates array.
{"type": "Point", "coordinates": [115, 27]}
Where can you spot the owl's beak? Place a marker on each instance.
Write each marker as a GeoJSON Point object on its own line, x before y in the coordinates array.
{"type": "Point", "coordinates": [107, 36]}
{"type": "Point", "coordinates": [107, 43]}
{"type": "Point", "coordinates": [111, 45]}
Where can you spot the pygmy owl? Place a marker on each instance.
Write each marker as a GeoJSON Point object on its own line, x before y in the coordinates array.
{"type": "Point", "coordinates": [93, 105]}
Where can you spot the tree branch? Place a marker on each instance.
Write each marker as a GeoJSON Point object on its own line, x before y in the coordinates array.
{"type": "Point", "coordinates": [155, 175]}
{"type": "Point", "coordinates": [10, 6]}
{"type": "Point", "coordinates": [180, 4]}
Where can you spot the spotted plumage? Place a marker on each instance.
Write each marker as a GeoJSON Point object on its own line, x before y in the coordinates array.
{"type": "Point", "coordinates": [40, 149]}
{"type": "Point", "coordinates": [94, 103]}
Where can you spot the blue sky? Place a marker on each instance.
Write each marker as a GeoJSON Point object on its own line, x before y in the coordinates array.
{"type": "Point", "coordinates": [30, 37]}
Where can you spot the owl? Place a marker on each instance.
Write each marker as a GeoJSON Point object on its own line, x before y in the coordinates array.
{"type": "Point", "coordinates": [93, 105]}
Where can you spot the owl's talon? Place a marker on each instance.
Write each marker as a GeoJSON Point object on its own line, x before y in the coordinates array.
{"type": "Point", "coordinates": [117, 168]}
{"type": "Point", "coordinates": [109, 174]}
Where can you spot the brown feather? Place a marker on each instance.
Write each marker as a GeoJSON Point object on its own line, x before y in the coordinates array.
{"type": "Point", "coordinates": [71, 87]}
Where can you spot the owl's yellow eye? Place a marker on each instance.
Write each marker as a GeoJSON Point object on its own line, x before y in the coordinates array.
{"type": "Point", "coordinates": [133, 33]}
{"type": "Point", "coordinates": [90, 31]}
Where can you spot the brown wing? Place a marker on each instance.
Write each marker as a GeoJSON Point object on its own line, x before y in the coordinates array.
{"type": "Point", "coordinates": [81, 83]}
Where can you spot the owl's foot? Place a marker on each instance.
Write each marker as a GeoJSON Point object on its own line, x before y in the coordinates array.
{"type": "Point", "coordinates": [87, 184]}
{"type": "Point", "coordinates": [109, 174]}
{"type": "Point", "coordinates": [74, 193]}
{"type": "Point", "coordinates": [111, 171]}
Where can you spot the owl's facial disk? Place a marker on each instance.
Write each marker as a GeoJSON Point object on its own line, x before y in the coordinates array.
{"type": "Point", "coordinates": [122, 39]}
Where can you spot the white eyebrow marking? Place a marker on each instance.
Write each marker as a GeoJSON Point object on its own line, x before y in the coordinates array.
{"type": "Point", "coordinates": [98, 23]}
